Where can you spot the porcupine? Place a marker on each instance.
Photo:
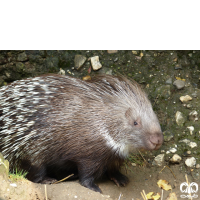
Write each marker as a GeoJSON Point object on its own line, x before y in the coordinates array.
{"type": "Point", "coordinates": [60, 123]}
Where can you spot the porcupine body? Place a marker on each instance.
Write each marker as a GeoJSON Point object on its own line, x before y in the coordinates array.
{"type": "Point", "coordinates": [59, 123]}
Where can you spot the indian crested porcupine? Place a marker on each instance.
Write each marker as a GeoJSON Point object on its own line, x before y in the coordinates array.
{"type": "Point", "coordinates": [58, 123]}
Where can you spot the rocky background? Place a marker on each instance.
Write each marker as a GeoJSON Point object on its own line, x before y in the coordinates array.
{"type": "Point", "coordinates": [171, 78]}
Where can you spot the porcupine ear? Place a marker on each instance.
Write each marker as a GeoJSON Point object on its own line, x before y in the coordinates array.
{"type": "Point", "coordinates": [132, 121]}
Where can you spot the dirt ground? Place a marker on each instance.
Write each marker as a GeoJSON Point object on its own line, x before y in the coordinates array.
{"type": "Point", "coordinates": [143, 178]}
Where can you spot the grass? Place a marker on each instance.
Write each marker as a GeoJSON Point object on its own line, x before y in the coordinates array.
{"type": "Point", "coordinates": [17, 175]}
{"type": "Point", "coordinates": [134, 158]}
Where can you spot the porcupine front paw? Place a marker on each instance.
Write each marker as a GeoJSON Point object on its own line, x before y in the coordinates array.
{"type": "Point", "coordinates": [119, 179]}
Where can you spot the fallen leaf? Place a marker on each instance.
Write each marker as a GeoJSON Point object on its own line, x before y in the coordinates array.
{"type": "Point", "coordinates": [164, 184]}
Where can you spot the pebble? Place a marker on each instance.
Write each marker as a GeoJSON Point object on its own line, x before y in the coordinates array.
{"type": "Point", "coordinates": [185, 98]}
{"type": "Point", "coordinates": [180, 119]}
{"type": "Point", "coordinates": [95, 63]}
{"type": "Point", "coordinates": [22, 57]}
{"type": "Point", "coordinates": [191, 129]}
{"type": "Point", "coordinates": [189, 143]}
{"type": "Point", "coordinates": [193, 116]}
{"type": "Point", "coordinates": [173, 150]}
{"type": "Point", "coordinates": [135, 52]}
{"type": "Point", "coordinates": [112, 51]}
{"type": "Point", "coordinates": [167, 136]}
{"type": "Point", "coordinates": [190, 162]}
{"type": "Point", "coordinates": [198, 166]}
{"type": "Point", "coordinates": [169, 81]}
{"type": "Point", "coordinates": [158, 160]}
{"type": "Point", "coordinates": [79, 60]}
{"type": "Point", "coordinates": [175, 159]}
{"type": "Point", "coordinates": [116, 59]}
{"type": "Point", "coordinates": [179, 84]}
{"type": "Point", "coordinates": [178, 66]}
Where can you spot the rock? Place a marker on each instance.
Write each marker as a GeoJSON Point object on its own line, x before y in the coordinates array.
{"type": "Point", "coordinates": [179, 84]}
{"type": "Point", "coordinates": [175, 159]}
{"type": "Point", "coordinates": [180, 119]}
{"type": "Point", "coordinates": [184, 61]}
{"type": "Point", "coordinates": [190, 162]}
{"type": "Point", "coordinates": [22, 57]}
{"type": "Point", "coordinates": [164, 91]}
{"type": "Point", "coordinates": [112, 51]}
{"type": "Point", "coordinates": [185, 98]}
{"type": "Point", "coordinates": [197, 166]}
{"type": "Point", "coordinates": [158, 160]}
{"type": "Point", "coordinates": [192, 144]}
{"type": "Point", "coordinates": [61, 72]}
{"type": "Point", "coordinates": [186, 141]}
{"type": "Point", "coordinates": [178, 66]}
{"type": "Point", "coordinates": [169, 81]}
{"type": "Point", "coordinates": [173, 150]}
{"type": "Point", "coordinates": [116, 59]}
{"type": "Point", "coordinates": [79, 60]}
{"type": "Point", "coordinates": [4, 167]}
{"type": "Point", "coordinates": [167, 136]}
{"type": "Point", "coordinates": [191, 129]}
{"type": "Point", "coordinates": [189, 106]}
{"type": "Point", "coordinates": [189, 143]}
{"type": "Point", "coordinates": [95, 63]}
{"type": "Point", "coordinates": [193, 116]}
{"type": "Point", "coordinates": [135, 52]}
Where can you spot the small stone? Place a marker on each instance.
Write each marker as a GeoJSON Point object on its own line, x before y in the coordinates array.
{"type": "Point", "coordinates": [112, 51]}
{"type": "Point", "coordinates": [186, 141]}
{"type": "Point", "coordinates": [61, 72]}
{"type": "Point", "coordinates": [179, 84]}
{"type": "Point", "coordinates": [135, 52]}
{"type": "Point", "coordinates": [13, 184]}
{"type": "Point", "coordinates": [190, 54]}
{"type": "Point", "coordinates": [192, 144]}
{"type": "Point", "coordinates": [188, 152]}
{"type": "Point", "coordinates": [79, 60]}
{"type": "Point", "coordinates": [169, 81]}
{"type": "Point", "coordinates": [191, 129]}
{"type": "Point", "coordinates": [193, 116]}
{"type": "Point", "coordinates": [190, 162]}
{"type": "Point", "coordinates": [173, 150]}
{"type": "Point", "coordinates": [175, 159]}
{"type": "Point", "coordinates": [116, 59]}
{"type": "Point", "coordinates": [198, 166]}
{"type": "Point", "coordinates": [167, 136]}
{"type": "Point", "coordinates": [22, 57]}
{"type": "Point", "coordinates": [95, 63]}
{"type": "Point", "coordinates": [185, 98]}
{"type": "Point", "coordinates": [180, 119]}
{"type": "Point", "coordinates": [189, 105]}
{"type": "Point", "coordinates": [158, 160]}
{"type": "Point", "coordinates": [133, 164]}
{"type": "Point", "coordinates": [178, 66]}
{"type": "Point", "coordinates": [172, 196]}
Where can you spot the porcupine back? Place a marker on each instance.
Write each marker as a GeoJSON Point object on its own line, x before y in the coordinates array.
{"type": "Point", "coordinates": [52, 121]}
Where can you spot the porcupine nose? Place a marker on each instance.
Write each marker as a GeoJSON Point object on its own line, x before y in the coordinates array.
{"type": "Point", "coordinates": [157, 140]}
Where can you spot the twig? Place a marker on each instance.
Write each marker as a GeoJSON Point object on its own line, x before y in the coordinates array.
{"type": "Point", "coordinates": [120, 196]}
{"type": "Point", "coordinates": [144, 195]}
{"type": "Point", "coordinates": [63, 179]}
{"type": "Point", "coordinates": [169, 169]}
{"type": "Point", "coordinates": [162, 195]}
{"type": "Point", "coordinates": [45, 189]}
{"type": "Point", "coordinates": [142, 156]}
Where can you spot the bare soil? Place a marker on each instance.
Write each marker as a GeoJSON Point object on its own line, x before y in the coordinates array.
{"type": "Point", "coordinates": [143, 178]}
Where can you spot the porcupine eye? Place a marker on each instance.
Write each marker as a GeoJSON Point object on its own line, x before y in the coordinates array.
{"type": "Point", "coordinates": [135, 123]}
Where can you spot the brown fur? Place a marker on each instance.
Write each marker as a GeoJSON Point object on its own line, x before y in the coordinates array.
{"type": "Point", "coordinates": [82, 127]}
